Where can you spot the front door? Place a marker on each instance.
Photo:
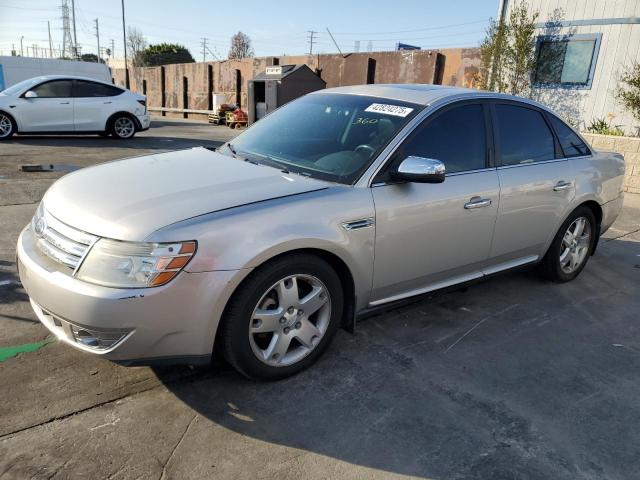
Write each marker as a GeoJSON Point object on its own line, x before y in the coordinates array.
{"type": "Point", "coordinates": [50, 111]}
{"type": "Point", "coordinates": [537, 183]}
{"type": "Point", "coordinates": [432, 235]}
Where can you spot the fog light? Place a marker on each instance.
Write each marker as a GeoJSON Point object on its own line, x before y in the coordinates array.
{"type": "Point", "coordinates": [97, 339]}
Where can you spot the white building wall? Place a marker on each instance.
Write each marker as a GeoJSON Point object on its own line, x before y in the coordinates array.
{"type": "Point", "coordinates": [620, 46]}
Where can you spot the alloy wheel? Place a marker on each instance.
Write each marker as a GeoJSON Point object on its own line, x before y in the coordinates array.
{"type": "Point", "coordinates": [5, 126]}
{"type": "Point", "coordinates": [290, 320]}
{"type": "Point", "coordinates": [124, 127]}
{"type": "Point", "coordinates": [575, 245]}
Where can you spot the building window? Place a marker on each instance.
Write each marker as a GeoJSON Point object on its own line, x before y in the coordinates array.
{"type": "Point", "coordinates": [566, 61]}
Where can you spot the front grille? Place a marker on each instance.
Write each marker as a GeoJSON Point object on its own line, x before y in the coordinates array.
{"type": "Point", "coordinates": [62, 243]}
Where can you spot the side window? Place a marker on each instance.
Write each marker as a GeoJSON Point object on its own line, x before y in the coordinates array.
{"type": "Point", "coordinates": [524, 136]}
{"type": "Point", "coordinates": [91, 89]}
{"type": "Point", "coordinates": [55, 89]}
{"type": "Point", "coordinates": [571, 144]}
{"type": "Point", "coordinates": [456, 137]}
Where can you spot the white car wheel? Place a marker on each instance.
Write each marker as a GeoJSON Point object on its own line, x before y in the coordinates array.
{"type": "Point", "coordinates": [6, 126]}
{"type": "Point", "coordinates": [123, 127]}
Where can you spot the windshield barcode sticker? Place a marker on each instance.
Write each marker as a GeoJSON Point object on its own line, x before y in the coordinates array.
{"type": "Point", "coordinates": [395, 110]}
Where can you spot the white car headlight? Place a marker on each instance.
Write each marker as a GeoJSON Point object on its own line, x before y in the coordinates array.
{"type": "Point", "coordinates": [113, 263]}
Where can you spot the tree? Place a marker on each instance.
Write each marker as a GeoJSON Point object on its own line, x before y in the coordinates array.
{"type": "Point", "coordinates": [166, 53]}
{"type": "Point", "coordinates": [507, 52]}
{"type": "Point", "coordinates": [240, 46]}
{"type": "Point", "coordinates": [90, 57]}
{"type": "Point", "coordinates": [628, 90]}
{"type": "Point", "coordinates": [136, 43]}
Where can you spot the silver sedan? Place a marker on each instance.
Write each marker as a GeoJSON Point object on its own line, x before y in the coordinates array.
{"type": "Point", "coordinates": [341, 202]}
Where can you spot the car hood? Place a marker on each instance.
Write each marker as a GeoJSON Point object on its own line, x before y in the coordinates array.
{"type": "Point", "coordinates": [130, 199]}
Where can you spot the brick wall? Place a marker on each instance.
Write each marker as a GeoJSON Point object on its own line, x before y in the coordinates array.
{"type": "Point", "coordinates": [627, 146]}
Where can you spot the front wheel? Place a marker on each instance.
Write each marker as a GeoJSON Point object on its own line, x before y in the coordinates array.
{"type": "Point", "coordinates": [283, 317]}
{"type": "Point", "coordinates": [6, 126]}
{"type": "Point", "coordinates": [123, 127]}
{"type": "Point", "coordinates": [571, 247]}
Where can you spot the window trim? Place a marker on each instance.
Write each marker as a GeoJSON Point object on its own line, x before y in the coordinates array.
{"type": "Point", "coordinates": [381, 177]}
{"type": "Point", "coordinates": [49, 81]}
{"type": "Point", "coordinates": [557, 150]}
{"type": "Point", "coordinates": [568, 38]}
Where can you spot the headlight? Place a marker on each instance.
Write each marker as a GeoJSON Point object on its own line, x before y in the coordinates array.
{"type": "Point", "coordinates": [133, 265]}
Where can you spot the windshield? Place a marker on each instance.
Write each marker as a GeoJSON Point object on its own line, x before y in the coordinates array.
{"type": "Point", "coordinates": [328, 136]}
{"type": "Point", "coordinates": [13, 89]}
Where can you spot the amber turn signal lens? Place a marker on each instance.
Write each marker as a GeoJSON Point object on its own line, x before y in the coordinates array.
{"type": "Point", "coordinates": [188, 247]}
{"type": "Point", "coordinates": [162, 278]}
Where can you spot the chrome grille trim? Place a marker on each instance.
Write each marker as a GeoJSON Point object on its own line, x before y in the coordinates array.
{"type": "Point", "coordinates": [64, 244]}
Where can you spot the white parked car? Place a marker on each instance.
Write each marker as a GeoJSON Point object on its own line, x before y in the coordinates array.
{"type": "Point", "coordinates": [71, 105]}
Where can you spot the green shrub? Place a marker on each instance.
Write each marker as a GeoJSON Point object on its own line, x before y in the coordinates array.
{"type": "Point", "coordinates": [601, 126]}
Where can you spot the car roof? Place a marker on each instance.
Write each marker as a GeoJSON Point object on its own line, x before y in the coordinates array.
{"type": "Point", "coordinates": [421, 93]}
{"type": "Point", "coordinates": [45, 78]}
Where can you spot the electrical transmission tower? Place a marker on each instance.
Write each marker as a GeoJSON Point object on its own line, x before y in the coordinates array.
{"type": "Point", "coordinates": [203, 44]}
{"type": "Point", "coordinates": [68, 49]}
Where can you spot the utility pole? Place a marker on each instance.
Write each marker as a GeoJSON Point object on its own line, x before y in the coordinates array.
{"type": "Point", "coordinates": [311, 35]}
{"type": "Point", "coordinates": [113, 46]}
{"type": "Point", "coordinates": [203, 44]}
{"type": "Point", "coordinates": [75, 38]}
{"type": "Point", "coordinates": [98, 37]}
{"type": "Point", "coordinates": [50, 43]}
{"type": "Point", "coordinates": [21, 49]}
{"type": "Point", "coordinates": [124, 37]}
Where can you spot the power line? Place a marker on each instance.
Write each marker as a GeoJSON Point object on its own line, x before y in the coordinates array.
{"type": "Point", "coordinates": [439, 27]}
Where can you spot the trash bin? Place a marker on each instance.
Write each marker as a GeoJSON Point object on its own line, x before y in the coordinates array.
{"type": "Point", "coordinates": [278, 85]}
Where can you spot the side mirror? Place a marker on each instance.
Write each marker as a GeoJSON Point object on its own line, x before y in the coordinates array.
{"type": "Point", "coordinates": [420, 170]}
{"type": "Point", "coordinates": [31, 94]}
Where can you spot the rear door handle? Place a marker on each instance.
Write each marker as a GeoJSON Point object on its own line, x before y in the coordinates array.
{"type": "Point", "coordinates": [64, 103]}
{"type": "Point", "coordinates": [477, 202]}
{"type": "Point", "coordinates": [562, 185]}
{"type": "Point", "coordinates": [106, 103]}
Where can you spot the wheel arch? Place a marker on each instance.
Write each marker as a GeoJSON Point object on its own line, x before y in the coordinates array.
{"type": "Point", "coordinates": [597, 212]}
{"type": "Point", "coordinates": [112, 117]}
{"type": "Point", "coordinates": [335, 261]}
{"type": "Point", "coordinates": [12, 118]}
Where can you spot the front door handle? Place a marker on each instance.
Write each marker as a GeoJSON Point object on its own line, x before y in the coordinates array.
{"type": "Point", "coordinates": [477, 202]}
{"type": "Point", "coordinates": [64, 103]}
{"type": "Point", "coordinates": [562, 185]}
{"type": "Point", "coordinates": [106, 103]}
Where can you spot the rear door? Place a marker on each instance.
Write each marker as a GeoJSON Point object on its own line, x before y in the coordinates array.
{"type": "Point", "coordinates": [432, 235]}
{"type": "Point", "coordinates": [50, 111]}
{"type": "Point", "coordinates": [94, 103]}
{"type": "Point", "coordinates": [536, 183]}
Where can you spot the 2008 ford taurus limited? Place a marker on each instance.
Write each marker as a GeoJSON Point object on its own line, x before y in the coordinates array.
{"type": "Point", "coordinates": [337, 203]}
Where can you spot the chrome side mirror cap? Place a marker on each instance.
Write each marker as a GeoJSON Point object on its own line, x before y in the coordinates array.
{"type": "Point", "coordinates": [31, 94]}
{"type": "Point", "coordinates": [420, 170]}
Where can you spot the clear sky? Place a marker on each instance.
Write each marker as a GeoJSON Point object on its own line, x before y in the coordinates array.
{"type": "Point", "coordinates": [276, 27]}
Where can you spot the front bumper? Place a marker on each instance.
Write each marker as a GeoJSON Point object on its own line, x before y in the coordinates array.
{"type": "Point", "coordinates": [176, 322]}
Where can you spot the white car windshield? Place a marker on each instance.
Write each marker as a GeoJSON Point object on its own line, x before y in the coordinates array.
{"type": "Point", "coordinates": [333, 137]}
{"type": "Point", "coordinates": [18, 87]}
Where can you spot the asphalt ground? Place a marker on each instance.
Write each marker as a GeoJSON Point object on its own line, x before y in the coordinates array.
{"type": "Point", "coordinates": [511, 378]}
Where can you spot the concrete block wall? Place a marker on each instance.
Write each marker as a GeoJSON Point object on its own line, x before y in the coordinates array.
{"type": "Point", "coordinates": [627, 146]}
{"type": "Point", "coordinates": [336, 70]}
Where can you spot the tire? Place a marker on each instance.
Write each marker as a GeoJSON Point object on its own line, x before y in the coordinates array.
{"type": "Point", "coordinates": [284, 340]}
{"type": "Point", "coordinates": [567, 255]}
{"type": "Point", "coordinates": [7, 126]}
{"type": "Point", "coordinates": [123, 127]}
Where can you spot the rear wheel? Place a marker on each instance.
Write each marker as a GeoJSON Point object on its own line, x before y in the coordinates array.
{"type": "Point", "coordinates": [123, 127]}
{"type": "Point", "coordinates": [283, 317]}
{"type": "Point", "coordinates": [7, 128]}
{"type": "Point", "coordinates": [571, 247]}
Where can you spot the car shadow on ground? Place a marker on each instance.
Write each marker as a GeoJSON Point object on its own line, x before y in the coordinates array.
{"type": "Point", "coordinates": [149, 142]}
{"type": "Point", "coordinates": [507, 379]}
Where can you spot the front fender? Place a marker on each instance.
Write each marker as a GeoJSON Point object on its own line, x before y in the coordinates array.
{"type": "Point", "coordinates": [245, 237]}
